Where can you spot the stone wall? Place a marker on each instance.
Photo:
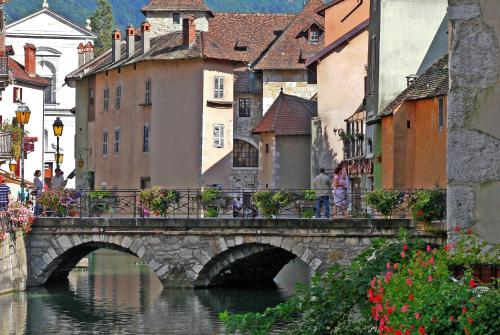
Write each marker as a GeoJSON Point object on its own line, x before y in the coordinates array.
{"type": "Point", "coordinates": [293, 82]}
{"type": "Point", "coordinates": [473, 117]}
{"type": "Point", "coordinates": [13, 270]}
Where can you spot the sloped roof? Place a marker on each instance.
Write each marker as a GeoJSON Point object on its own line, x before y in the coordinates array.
{"type": "Point", "coordinates": [288, 115]}
{"type": "Point", "coordinates": [432, 83]}
{"type": "Point", "coordinates": [286, 52]}
{"type": "Point", "coordinates": [84, 31]}
{"type": "Point", "coordinates": [164, 47]}
{"type": "Point", "coordinates": [21, 76]}
{"type": "Point", "coordinates": [254, 31]}
{"type": "Point", "coordinates": [176, 5]}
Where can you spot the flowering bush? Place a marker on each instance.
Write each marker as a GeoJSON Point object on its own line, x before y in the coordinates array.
{"type": "Point", "coordinates": [271, 203]}
{"type": "Point", "coordinates": [3, 236]}
{"type": "Point", "coordinates": [428, 205]}
{"type": "Point", "coordinates": [20, 217]}
{"type": "Point", "coordinates": [416, 295]}
{"type": "Point", "coordinates": [59, 202]}
{"type": "Point", "coordinates": [158, 200]}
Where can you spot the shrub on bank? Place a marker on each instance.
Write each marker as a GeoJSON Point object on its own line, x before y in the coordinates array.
{"type": "Point", "coordinates": [396, 287]}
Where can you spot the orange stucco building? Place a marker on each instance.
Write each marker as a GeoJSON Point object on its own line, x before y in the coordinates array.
{"type": "Point", "coordinates": [414, 133]}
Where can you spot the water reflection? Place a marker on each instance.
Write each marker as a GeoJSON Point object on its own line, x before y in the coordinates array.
{"type": "Point", "coordinates": [117, 296]}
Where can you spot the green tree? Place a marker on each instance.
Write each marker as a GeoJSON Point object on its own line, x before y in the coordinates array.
{"type": "Point", "coordinates": [103, 23]}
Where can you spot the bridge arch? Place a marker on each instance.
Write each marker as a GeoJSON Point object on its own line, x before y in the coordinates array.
{"type": "Point", "coordinates": [253, 262]}
{"type": "Point", "coordinates": [64, 253]}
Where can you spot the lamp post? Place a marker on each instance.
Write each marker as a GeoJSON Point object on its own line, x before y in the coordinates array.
{"type": "Point", "coordinates": [23, 114]}
{"type": "Point", "coordinates": [58, 127]}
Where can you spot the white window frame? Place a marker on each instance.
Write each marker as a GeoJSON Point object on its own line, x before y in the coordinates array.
{"type": "Point", "coordinates": [147, 93]}
{"type": "Point", "coordinates": [146, 137]}
{"type": "Point", "coordinates": [118, 97]}
{"type": "Point", "coordinates": [106, 99]}
{"type": "Point", "coordinates": [105, 140]}
{"type": "Point", "coordinates": [219, 87]}
{"type": "Point", "coordinates": [314, 33]}
{"type": "Point", "coordinates": [116, 141]}
{"type": "Point", "coordinates": [218, 135]}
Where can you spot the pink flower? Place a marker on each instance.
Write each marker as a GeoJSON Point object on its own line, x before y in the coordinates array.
{"type": "Point", "coordinates": [447, 247]}
{"type": "Point", "coordinates": [421, 330]}
{"type": "Point", "coordinates": [470, 231]}
{"type": "Point", "coordinates": [411, 297]}
{"type": "Point", "coordinates": [472, 283]}
{"type": "Point", "coordinates": [403, 254]}
{"type": "Point", "coordinates": [429, 278]}
{"type": "Point", "coordinates": [417, 315]}
{"type": "Point", "coordinates": [409, 282]}
{"type": "Point", "coordinates": [429, 248]}
{"type": "Point", "coordinates": [404, 309]}
{"type": "Point", "coordinates": [405, 247]}
{"type": "Point", "coordinates": [457, 229]}
{"type": "Point", "coordinates": [470, 321]}
{"type": "Point", "coordinates": [452, 318]}
{"type": "Point", "coordinates": [388, 266]}
{"type": "Point", "coordinates": [396, 266]}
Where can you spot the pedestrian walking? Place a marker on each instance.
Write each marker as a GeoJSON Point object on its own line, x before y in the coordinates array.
{"type": "Point", "coordinates": [58, 182]}
{"type": "Point", "coordinates": [37, 192]}
{"type": "Point", "coordinates": [339, 192]}
{"type": "Point", "coordinates": [321, 184]}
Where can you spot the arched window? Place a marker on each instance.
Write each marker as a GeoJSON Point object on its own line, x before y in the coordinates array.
{"type": "Point", "coordinates": [245, 154]}
{"type": "Point", "coordinates": [49, 72]}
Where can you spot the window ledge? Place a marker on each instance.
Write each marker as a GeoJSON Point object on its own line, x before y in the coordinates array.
{"type": "Point", "coordinates": [246, 168]}
{"type": "Point", "coordinates": [220, 103]}
{"type": "Point", "coordinates": [144, 104]}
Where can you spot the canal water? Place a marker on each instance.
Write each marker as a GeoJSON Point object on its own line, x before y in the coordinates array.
{"type": "Point", "coordinates": [118, 296]}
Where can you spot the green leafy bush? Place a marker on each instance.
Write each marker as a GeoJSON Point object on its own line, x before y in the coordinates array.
{"type": "Point", "coordinates": [334, 304]}
{"type": "Point", "coordinates": [428, 205]}
{"type": "Point", "coordinates": [271, 203]}
{"type": "Point", "coordinates": [306, 204]}
{"type": "Point", "coordinates": [100, 201]}
{"type": "Point", "coordinates": [214, 201]}
{"type": "Point", "coordinates": [383, 201]}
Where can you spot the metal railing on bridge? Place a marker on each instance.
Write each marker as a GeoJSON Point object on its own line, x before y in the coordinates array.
{"type": "Point", "coordinates": [218, 203]}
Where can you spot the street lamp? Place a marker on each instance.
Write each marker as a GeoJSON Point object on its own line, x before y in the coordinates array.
{"type": "Point", "coordinates": [23, 114]}
{"type": "Point", "coordinates": [58, 127]}
{"type": "Point", "coordinates": [59, 158]}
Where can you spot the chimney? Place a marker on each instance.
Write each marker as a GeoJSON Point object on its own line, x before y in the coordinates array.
{"type": "Point", "coordinates": [188, 31]}
{"type": "Point", "coordinates": [89, 52]}
{"type": "Point", "coordinates": [81, 54]}
{"type": "Point", "coordinates": [130, 41]}
{"type": "Point", "coordinates": [30, 59]}
{"type": "Point", "coordinates": [145, 36]}
{"type": "Point", "coordinates": [116, 46]}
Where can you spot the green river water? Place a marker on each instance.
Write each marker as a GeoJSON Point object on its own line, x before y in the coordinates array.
{"type": "Point", "coordinates": [118, 296]}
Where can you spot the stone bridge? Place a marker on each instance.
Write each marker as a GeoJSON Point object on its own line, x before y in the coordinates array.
{"type": "Point", "coordinates": [204, 252]}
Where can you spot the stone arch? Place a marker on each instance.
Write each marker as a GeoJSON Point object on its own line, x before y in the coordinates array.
{"type": "Point", "coordinates": [251, 262]}
{"type": "Point", "coordinates": [66, 251]}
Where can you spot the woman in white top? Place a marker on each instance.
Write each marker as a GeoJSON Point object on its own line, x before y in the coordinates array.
{"type": "Point", "coordinates": [338, 187]}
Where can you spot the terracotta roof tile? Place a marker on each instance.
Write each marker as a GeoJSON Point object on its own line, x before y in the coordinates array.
{"type": "Point", "coordinates": [179, 5]}
{"type": "Point", "coordinates": [288, 115]}
{"type": "Point", "coordinates": [286, 52]}
{"type": "Point", "coordinates": [251, 33]}
{"type": "Point", "coordinates": [20, 75]}
{"type": "Point", "coordinates": [434, 82]}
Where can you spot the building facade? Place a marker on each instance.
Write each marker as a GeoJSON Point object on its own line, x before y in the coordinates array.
{"type": "Point", "coordinates": [341, 67]}
{"type": "Point", "coordinates": [56, 40]}
{"type": "Point", "coordinates": [250, 37]}
{"type": "Point", "coordinates": [414, 133]}
{"type": "Point", "coordinates": [405, 38]}
{"type": "Point", "coordinates": [285, 143]}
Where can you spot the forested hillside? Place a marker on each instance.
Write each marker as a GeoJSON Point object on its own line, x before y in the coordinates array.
{"type": "Point", "coordinates": [128, 11]}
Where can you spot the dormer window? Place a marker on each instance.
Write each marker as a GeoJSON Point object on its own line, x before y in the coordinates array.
{"type": "Point", "coordinates": [177, 18]}
{"type": "Point", "coordinates": [313, 35]}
